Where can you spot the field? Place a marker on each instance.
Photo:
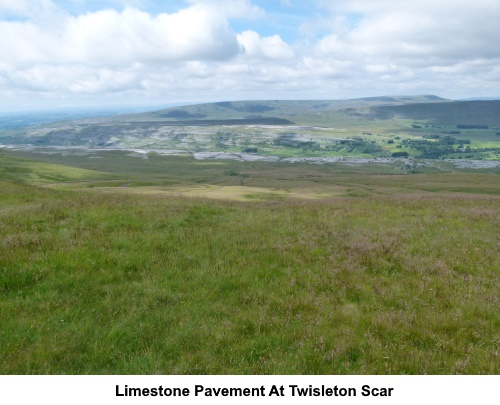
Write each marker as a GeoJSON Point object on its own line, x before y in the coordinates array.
{"type": "Point", "coordinates": [115, 264]}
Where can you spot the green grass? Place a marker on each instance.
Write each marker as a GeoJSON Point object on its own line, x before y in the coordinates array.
{"type": "Point", "coordinates": [119, 284]}
{"type": "Point", "coordinates": [182, 175]}
{"type": "Point", "coordinates": [36, 172]}
{"type": "Point", "coordinates": [117, 271]}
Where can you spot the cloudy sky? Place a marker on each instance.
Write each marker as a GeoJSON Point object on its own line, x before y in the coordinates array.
{"type": "Point", "coordinates": [111, 52]}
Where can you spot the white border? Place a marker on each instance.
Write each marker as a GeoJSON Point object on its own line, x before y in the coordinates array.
{"type": "Point", "coordinates": [421, 390]}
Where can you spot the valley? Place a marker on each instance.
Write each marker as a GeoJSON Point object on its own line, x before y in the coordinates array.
{"type": "Point", "coordinates": [425, 127]}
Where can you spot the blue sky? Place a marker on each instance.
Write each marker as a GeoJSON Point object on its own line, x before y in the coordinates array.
{"type": "Point", "coordinates": [110, 52]}
{"type": "Point", "coordinates": [281, 16]}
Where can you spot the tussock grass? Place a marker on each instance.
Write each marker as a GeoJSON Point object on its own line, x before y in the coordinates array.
{"type": "Point", "coordinates": [106, 283]}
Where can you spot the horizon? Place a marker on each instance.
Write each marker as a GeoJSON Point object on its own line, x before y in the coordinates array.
{"type": "Point", "coordinates": [149, 107]}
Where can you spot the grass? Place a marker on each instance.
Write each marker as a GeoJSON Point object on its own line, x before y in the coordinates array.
{"type": "Point", "coordinates": [36, 172]}
{"type": "Point", "coordinates": [116, 168]}
{"type": "Point", "coordinates": [95, 283]}
{"type": "Point", "coordinates": [285, 269]}
{"type": "Point", "coordinates": [168, 265]}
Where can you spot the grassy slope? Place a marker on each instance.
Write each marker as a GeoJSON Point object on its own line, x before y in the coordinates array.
{"type": "Point", "coordinates": [37, 172]}
{"type": "Point", "coordinates": [167, 174]}
{"type": "Point", "coordinates": [132, 283]}
{"type": "Point", "coordinates": [141, 284]}
{"type": "Point", "coordinates": [262, 180]}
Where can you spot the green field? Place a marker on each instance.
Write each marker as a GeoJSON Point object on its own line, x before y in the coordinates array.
{"type": "Point", "coordinates": [121, 265]}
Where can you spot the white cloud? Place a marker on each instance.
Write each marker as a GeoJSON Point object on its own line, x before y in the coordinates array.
{"type": "Point", "coordinates": [446, 29]}
{"type": "Point", "coordinates": [447, 46]}
{"type": "Point", "coordinates": [76, 79]}
{"type": "Point", "coordinates": [109, 37]}
{"type": "Point", "coordinates": [272, 47]}
{"type": "Point", "coordinates": [364, 47]}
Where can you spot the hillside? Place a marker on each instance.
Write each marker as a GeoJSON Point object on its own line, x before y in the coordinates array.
{"type": "Point", "coordinates": [426, 127]}
{"type": "Point", "coordinates": [276, 108]}
{"type": "Point", "coordinates": [102, 282]}
{"type": "Point", "coordinates": [116, 260]}
{"type": "Point", "coordinates": [451, 113]}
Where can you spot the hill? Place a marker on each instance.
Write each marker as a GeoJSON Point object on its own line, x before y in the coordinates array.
{"type": "Point", "coordinates": [478, 112]}
{"type": "Point", "coordinates": [276, 108]}
{"type": "Point", "coordinates": [376, 127]}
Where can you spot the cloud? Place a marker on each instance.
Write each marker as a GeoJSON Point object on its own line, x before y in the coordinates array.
{"type": "Point", "coordinates": [196, 32]}
{"type": "Point", "coordinates": [110, 51]}
{"type": "Point", "coordinates": [272, 47]}
{"type": "Point", "coordinates": [448, 30]}
{"type": "Point", "coordinates": [109, 37]}
{"type": "Point", "coordinates": [394, 46]}
{"type": "Point", "coordinates": [76, 79]}
{"type": "Point", "coordinates": [229, 49]}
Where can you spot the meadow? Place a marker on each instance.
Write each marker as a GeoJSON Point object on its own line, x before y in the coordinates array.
{"type": "Point", "coordinates": [116, 265]}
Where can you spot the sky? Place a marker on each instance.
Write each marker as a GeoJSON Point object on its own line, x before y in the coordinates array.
{"type": "Point", "coordinates": [64, 53]}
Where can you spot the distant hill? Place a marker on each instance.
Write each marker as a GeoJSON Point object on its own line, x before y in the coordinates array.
{"type": "Point", "coordinates": [481, 98]}
{"type": "Point", "coordinates": [429, 108]}
{"type": "Point", "coordinates": [386, 126]}
{"type": "Point", "coordinates": [264, 109]}
{"type": "Point", "coordinates": [450, 113]}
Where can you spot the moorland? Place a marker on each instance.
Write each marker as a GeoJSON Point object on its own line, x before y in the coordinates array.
{"type": "Point", "coordinates": [271, 237]}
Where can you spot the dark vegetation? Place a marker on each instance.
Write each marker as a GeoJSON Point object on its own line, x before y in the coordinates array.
{"type": "Point", "coordinates": [239, 121]}
{"type": "Point", "coordinates": [356, 144]}
{"type": "Point", "coordinates": [289, 141]}
{"type": "Point", "coordinates": [249, 108]}
{"type": "Point", "coordinates": [470, 113]}
{"type": "Point", "coordinates": [179, 114]}
{"type": "Point", "coordinates": [464, 126]}
{"type": "Point", "coordinates": [438, 147]}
